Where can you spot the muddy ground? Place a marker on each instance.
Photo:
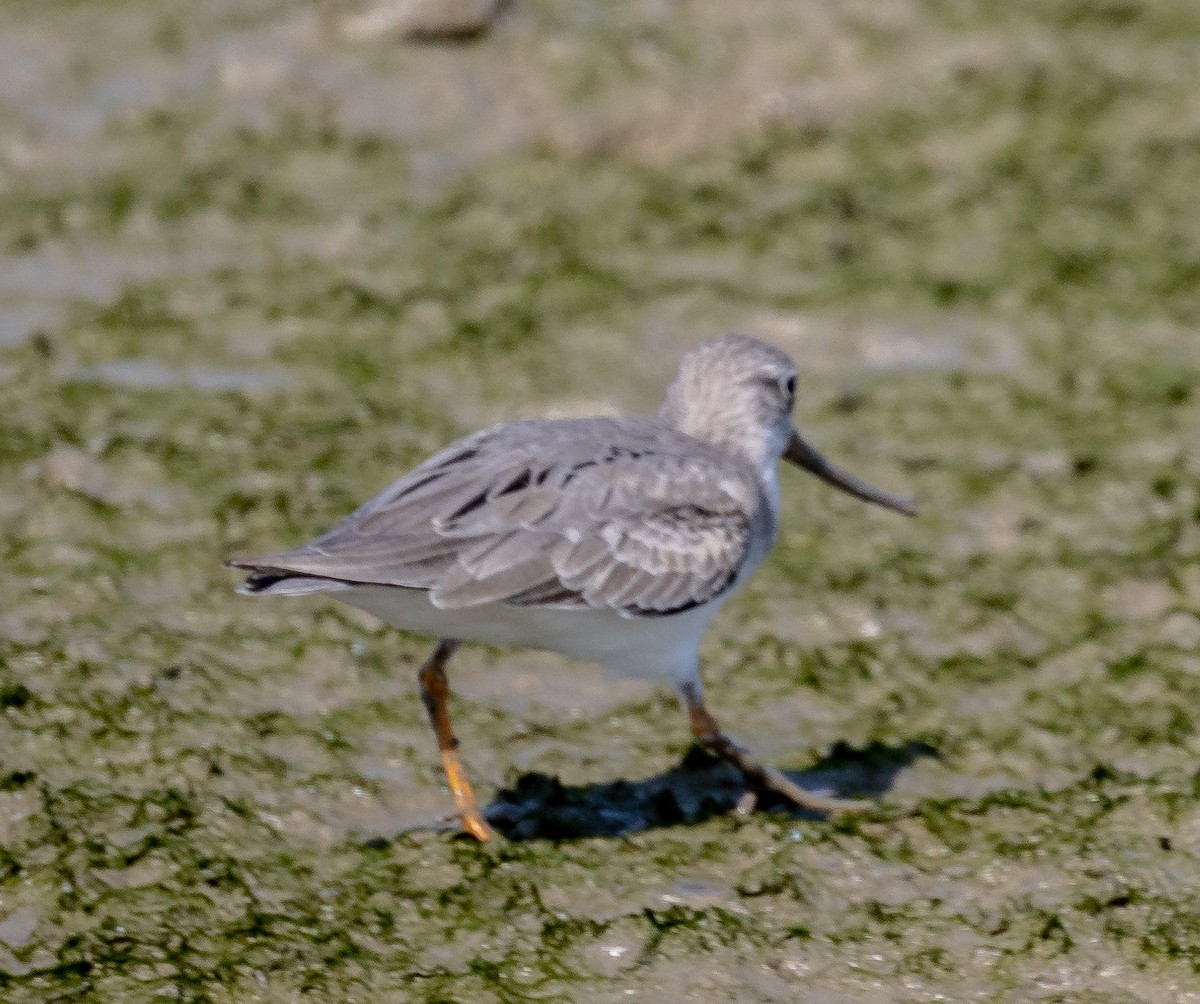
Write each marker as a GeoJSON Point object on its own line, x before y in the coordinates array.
{"type": "Point", "coordinates": [258, 257]}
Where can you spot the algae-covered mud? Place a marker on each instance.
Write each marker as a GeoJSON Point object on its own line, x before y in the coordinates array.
{"type": "Point", "coordinates": [256, 258]}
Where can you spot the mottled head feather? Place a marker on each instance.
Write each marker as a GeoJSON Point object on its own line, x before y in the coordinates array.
{"type": "Point", "coordinates": [736, 393]}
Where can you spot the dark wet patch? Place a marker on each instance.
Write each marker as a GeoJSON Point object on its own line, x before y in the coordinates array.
{"type": "Point", "coordinates": [700, 786]}
{"type": "Point", "coordinates": [539, 806]}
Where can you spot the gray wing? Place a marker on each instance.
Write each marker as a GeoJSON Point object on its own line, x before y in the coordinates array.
{"type": "Point", "coordinates": [590, 513]}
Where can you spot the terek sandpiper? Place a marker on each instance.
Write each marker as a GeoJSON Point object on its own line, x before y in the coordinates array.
{"type": "Point", "coordinates": [610, 540]}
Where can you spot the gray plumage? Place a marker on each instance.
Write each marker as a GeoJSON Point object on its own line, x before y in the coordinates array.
{"type": "Point", "coordinates": [641, 516]}
{"type": "Point", "coordinates": [608, 540]}
{"type": "Point", "coordinates": [621, 514]}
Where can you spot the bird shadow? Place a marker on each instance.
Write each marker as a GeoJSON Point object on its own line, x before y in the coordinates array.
{"type": "Point", "coordinates": [700, 786]}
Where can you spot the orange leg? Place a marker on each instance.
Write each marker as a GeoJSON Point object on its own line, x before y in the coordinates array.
{"type": "Point", "coordinates": [759, 777]}
{"type": "Point", "coordinates": [434, 691]}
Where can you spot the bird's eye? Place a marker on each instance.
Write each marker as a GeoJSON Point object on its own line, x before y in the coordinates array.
{"type": "Point", "coordinates": [790, 386]}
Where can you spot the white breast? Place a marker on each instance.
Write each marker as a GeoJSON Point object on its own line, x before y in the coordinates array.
{"type": "Point", "coordinates": [644, 647]}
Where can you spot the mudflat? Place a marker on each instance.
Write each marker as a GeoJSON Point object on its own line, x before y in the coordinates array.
{"type": "Point", "coordinates": [255, 264]}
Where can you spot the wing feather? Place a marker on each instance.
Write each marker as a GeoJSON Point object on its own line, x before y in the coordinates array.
{"type": "Point", "coordinates": [597, 513]}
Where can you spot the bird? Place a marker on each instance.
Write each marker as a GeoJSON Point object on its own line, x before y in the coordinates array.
{"type": "Point", "coordinates": [610, 540]}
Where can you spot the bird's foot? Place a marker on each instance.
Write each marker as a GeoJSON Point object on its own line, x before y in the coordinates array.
{"type": "Point", "coordinates": [477, 826]}
{"type": "Point", "coordinates": [763, 780]}
{"type": "Point", "coordinates": [469, 813]}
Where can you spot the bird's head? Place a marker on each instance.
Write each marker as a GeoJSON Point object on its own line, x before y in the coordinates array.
{"type": "Point", "coordinates": [737, 393]}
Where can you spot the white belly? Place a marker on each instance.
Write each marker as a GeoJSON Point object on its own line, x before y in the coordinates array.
{"type": "Point", "coordinates": [654, 647]}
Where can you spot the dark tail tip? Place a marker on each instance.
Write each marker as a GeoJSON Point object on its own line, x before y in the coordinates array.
{"type": "Point", "coordinates": [257, 582]}
{"type": "Point", "coordinates": [258, 579]}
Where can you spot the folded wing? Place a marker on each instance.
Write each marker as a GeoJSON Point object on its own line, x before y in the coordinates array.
{"type": "Point", "coordinates": [593, 513]}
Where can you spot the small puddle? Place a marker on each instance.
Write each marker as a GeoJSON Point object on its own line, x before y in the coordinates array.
{"type": "Point", "coordinates": [19, 322]}
{"type": "Point", "coordinates": [143, 373]}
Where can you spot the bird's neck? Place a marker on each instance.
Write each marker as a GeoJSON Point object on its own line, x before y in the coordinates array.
{"type": "Point", "coordinates": [730, 431]}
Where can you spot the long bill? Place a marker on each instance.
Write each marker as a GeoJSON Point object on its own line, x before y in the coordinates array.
{"type": "Point", "coordinates": [803, 455]}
